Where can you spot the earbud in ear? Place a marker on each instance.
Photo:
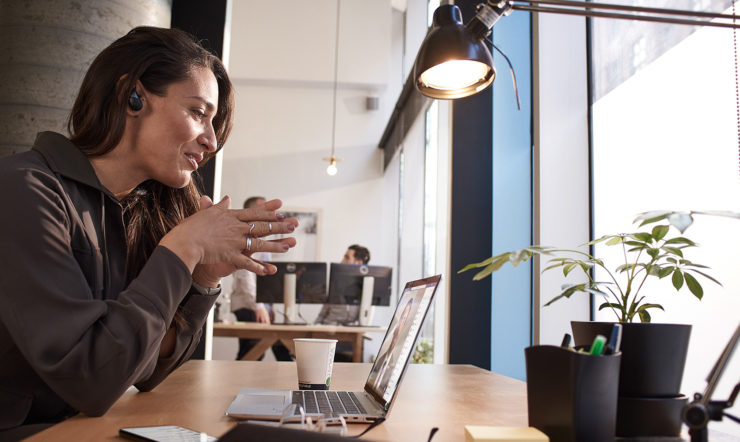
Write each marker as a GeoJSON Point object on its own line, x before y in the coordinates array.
{"type": "Point", "coordinates": [134, 101]}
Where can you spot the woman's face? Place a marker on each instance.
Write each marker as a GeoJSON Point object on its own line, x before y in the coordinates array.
{"type": "Point", "coordinates": [175, 131]}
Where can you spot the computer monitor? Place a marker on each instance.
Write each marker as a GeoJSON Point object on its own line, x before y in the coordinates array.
{"type": "Point", "coordinates": [346, 283]}
{"type": "Point", "coordinates": [310, 283]}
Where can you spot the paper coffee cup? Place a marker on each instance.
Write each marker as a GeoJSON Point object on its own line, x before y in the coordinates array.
{"type": "Point", "coordinates": [314, 360]}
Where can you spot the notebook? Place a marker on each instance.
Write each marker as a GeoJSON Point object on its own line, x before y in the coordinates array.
{"type": "Point", "coordinates": [382, 383]}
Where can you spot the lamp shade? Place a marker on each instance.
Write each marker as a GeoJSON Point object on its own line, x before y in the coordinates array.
{"type": "Point", "coordinates": [453, 61]}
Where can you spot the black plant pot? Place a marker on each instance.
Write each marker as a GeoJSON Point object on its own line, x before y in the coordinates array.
{"type": "Point", "coordinates": [653, 355]}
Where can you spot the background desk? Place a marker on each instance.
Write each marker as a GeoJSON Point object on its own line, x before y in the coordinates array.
{"type": "Point", "coordinates": [268, 334]}
{"type": "Point", "coordinates": [198, 393]}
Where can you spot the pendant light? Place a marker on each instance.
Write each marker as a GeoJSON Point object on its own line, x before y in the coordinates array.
{"type": "Point", "coordinates": [331, 170]}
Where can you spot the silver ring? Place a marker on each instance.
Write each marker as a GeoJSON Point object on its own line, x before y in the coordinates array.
{"type": "Point", "coordinates": [251, 227]}
{"type": "Point", "coordinates": [269, 227]}
{"type": "Point", "coordinates": [249, 243]}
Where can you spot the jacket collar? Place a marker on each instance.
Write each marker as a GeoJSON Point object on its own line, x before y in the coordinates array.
{"type": "Point", "coordinates": [67, 159]}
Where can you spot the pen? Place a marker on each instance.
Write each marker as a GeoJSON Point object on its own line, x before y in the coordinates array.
{"type": "Point", "coordinates": [597, 347]}
{"type": "Point", "coordinates": [615, 340]}
{"type": "Point", "coordinates": [566, 341]}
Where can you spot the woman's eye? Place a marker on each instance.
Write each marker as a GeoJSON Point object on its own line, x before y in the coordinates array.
{"type": "Point", "coordinates": [198, 113]}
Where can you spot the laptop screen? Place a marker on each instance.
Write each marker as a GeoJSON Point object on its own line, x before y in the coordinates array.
{"type": "Point", "coordinates": [398, 344]}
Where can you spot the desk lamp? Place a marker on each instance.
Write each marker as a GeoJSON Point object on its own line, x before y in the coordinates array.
{"type": "Point", "coordinates": [699, 412]}
{"type": "Point", "coordinates": [454, 61]}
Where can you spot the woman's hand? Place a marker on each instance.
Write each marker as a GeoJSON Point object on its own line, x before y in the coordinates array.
{"type": "Point", "coordinates": [216, 238]}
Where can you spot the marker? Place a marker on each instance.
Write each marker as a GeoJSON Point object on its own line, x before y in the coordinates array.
{"type": "Point", "coordinates": [597, 347]}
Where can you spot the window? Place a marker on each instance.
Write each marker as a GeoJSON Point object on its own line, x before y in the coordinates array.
{"type": "Point", "coordinates": [664, 136]}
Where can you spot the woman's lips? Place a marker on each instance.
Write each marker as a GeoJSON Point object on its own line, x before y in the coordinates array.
{"type": "Point", "coordinates": [193, 161]}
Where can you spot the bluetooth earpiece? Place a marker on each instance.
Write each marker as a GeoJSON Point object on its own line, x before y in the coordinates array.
{"type": "Point", "coordinates": [134, 101]}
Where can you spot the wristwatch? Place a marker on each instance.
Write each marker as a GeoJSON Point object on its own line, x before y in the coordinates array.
{"type": "Point", "coordinates": [207, 291]}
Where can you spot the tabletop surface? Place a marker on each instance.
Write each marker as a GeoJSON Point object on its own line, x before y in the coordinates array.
{"type": "Point", "coordinates": [197, 394]}
{"type": "Point", "coordinates": [220, 326]}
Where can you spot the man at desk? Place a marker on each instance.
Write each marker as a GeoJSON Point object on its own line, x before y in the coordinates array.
{"type": "Point", "coordinates": [339, 313]}
{"type": "Point", "coordinates": [344, 314]}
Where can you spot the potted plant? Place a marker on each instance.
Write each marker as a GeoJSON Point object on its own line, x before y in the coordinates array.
{"type": "Point", "coordinates": [653, 355]}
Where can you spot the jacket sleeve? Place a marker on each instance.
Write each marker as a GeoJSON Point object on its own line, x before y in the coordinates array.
{"type": "Point", "coordinates": [87, 350]}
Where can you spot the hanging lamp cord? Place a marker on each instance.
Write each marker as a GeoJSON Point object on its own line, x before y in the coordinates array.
{"type": "Point", "coordinates": [334, 96]}
{"type": "Point", "coordinates": [737, 90]}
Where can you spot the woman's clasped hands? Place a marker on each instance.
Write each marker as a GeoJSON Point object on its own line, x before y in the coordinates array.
{"type": "Point", "coordinates": [217, 240]}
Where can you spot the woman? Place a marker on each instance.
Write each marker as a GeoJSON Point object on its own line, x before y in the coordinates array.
{"type": "Point", "coordinates": [109, 258]}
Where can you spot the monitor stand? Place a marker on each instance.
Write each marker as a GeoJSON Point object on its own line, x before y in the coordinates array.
{"type": "Point", "coordinates": [289, 283]}
{"type": "Point", "coordinates": [365, 316]}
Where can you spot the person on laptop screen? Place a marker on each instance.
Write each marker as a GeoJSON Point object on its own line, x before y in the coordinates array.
{"type": "Point", "coordinates": [338, 313]}
{"type": "Point", "coordinates": [392, 349]}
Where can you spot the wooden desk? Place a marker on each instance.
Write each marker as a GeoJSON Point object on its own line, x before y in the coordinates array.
{"type": "Point", "coordinates": [198, 393]}
{"type": "Point", "coordinates": [268, 334]}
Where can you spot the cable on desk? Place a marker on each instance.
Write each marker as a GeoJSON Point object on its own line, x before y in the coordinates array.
{"type": "Point", "coordinates": [379, 421]}
{"type": "Point", "coordinates": [432, 433]}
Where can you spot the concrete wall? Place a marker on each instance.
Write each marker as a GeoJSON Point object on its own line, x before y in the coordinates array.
{"type": "Point", "coordinates": [45, 49]}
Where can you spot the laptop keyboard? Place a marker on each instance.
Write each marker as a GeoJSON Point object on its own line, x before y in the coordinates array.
{"type": "Point", "coordinates": [327, 402]}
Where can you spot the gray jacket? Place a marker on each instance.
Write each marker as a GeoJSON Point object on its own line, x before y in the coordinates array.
{"type": "Point", "coordinates": [73, 335]}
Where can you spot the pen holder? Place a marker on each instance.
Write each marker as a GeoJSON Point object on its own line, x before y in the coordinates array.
{"type": "Point", "coordinates": [572, 396]}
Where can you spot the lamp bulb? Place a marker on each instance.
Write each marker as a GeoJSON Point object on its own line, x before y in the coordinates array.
{"type": "Point", "coordinates": [455, 74]}
{"type": "Point", "coordinates": [331, 170]}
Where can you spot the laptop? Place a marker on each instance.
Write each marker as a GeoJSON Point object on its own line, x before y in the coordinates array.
{"type": "Point", "coordinates": [382, 383]}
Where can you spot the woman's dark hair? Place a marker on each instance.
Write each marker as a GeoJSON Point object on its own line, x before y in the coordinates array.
{"type": "Point", "coordinates": [156, 57]}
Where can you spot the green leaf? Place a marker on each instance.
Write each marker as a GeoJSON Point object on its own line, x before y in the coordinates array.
{"type": "Point", "coordinates": [673, 250]}
{"type": "Point", "coordinates": [642, 236]}
{"type": "Point", "coordinates": [611, 305]}
{"type": "Point", "coordinates": [596, 292]}
{"type": "Point", "coordinates": [659, 232]}
{"type": "Point", "coordinates": [625, 267]}
{"type": "Point", "coordinates": [677, 279]}
{"type": "Point", "coordinates": [602, 239]}
{"type": "Point", "coordinates": [484, 263]}
{"type": "Point", "coordinates": [492, 267]}
{"type": "Point", "coordinates": [568, 290]}
{"type": "Point", "coordinates": [691, 264]}
{"type": "Point", "coordinates": [680, 240]}
{"type": "Point", "coordinates": [706, 276]}
{"type": "Point", "coordinates": [665, 271]}
{"type": "Point", "coordinates": [694, 285]}
{"type": "Point", "coordinates": [568, 268]}
{"type": "Point", "coordinates": [636, 244]}
{"type": "Point", "coordinates": [653, 252]}
{"type": "Point", "coordinates": [614, 241]}
{"type": "Point", "coordinates": [673, 260]}
{"type": "Point", "coordinates": [647, 306]}
{"type": "Point", "coordinates": [644, 316]}
{"type": "Point", "coordinates": [651, 217]}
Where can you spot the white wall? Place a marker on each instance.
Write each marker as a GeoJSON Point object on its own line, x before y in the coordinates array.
{"type": "Point", "coordinates": [281, 62]}
{"type": "Point", "coordinates": [561, 180]}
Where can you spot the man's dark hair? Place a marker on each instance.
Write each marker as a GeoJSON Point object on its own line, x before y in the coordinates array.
{"type": "Point", "coordinates": [361, 253]}
{"type": "Point", "coordinates": [252, 201]}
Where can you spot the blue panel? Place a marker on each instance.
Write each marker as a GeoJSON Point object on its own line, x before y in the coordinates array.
{"type": "Point", "coordinates": [511, 323]}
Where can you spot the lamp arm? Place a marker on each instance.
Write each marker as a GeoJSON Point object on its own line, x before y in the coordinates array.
{"type": "Point", "coordinates": [719, 367]}
{"type": "Point", "coordinates": [604, 10]}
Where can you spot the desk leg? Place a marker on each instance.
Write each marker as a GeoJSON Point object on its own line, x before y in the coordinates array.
{"type": "Point", "coordinates": [259, 349]}
{"type": "Point", "coordinates": [357, 350]}
{"type": "Point", "coordinates": [289, 344]}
